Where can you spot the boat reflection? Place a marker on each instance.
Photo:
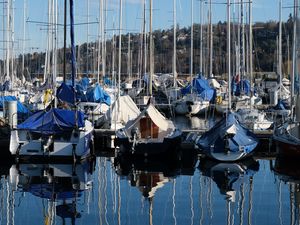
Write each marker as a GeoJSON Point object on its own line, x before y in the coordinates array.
{"type": "Point", "coordinates": [183, 163]}
{"type": "Point", "coordinates": [229, 176]}
{"type": "Point", "coordinates": [288, 171]}
{"type": "Point", "coordinates": [61, 185]}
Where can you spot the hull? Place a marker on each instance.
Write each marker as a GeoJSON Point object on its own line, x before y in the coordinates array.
{"type": "Point", "coordinates": [232, 156]}
{"type": "Point", "coordinates": [148, 147]}
{"type": "Point", "coordinates": [75, 145]}
{"type": "Point", "coordinates": [194, 108]}
{"type": "Point", "coordinates": [287, 140]}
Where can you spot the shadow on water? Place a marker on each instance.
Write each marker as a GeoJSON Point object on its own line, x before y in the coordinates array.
{"type": "Point", "coordinates": [183, 163]}
{"type": "Point", "coordinates": [229, 176]}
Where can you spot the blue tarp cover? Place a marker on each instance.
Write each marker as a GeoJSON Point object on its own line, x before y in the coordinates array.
{"type": "Point", "coordinates": [97, 94]}
{"type": "Point", "coordinates": [241, 86]}
{"type": "Point", "coordinates": [215, 136]}
{"type": "Point", "coordinates": [21, 108]}
{"type": "Point", "coordinates": [66, 93]}
{"type": "Point", "coordinates": [53, 121]}
{"type": "Point", "coordinates": [281, 105]}
{"type": "Point", "coordinates": [202, 88]}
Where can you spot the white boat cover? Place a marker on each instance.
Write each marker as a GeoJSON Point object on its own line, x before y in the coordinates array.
{"type": "Point", "coordinates": [122, 110]}
{"type": "Point", "coordinates": [214, 83]}
{"type": "Point", "coordinates": [159, 119]}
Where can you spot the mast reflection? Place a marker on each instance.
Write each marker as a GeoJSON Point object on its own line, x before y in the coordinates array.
{"type": "Point", "coordinates": [61, 185]}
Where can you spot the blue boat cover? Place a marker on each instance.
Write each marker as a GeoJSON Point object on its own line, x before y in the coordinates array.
{"type": "Point", "coordinates": [6, 86]}
{"type": "Point", "coordinates": [20, 107]}
{"type": "Point", "coordinates": [202, 88]}
{"type": "Point", "coordinates": [240, 86]}
{"type": "Point", "coordinates": [281, 105]}
{"type": "Point", "coordinates": [66, 93]}
{"type": "Point", "coordinates": [53, 121]}
{"type": "Point", "coordinates": [97, 94]}
{"type": "Point", "coordinates": [214, 139]}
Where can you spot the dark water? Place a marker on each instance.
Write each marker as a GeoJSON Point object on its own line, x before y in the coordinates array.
{"type": "Point", "coordinates": [185, 189]}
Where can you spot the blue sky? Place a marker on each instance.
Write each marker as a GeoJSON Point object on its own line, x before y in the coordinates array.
{"type": "Point", "coordinates": [263, 10]}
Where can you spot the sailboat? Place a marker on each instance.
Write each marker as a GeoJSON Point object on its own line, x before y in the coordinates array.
{"type": "Point", "coordinates": [194, 102]}
{"type": "Point", "coordinates": [227, 140]}
{"type": "Point", "coordinates": [150, 133]}
{"type": "Point", "coordinates": [56, 133]}
{"type": "Point", "coordinates": [287, 135]}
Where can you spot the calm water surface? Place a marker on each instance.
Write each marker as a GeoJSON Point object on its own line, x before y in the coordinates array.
{"type": "Point", "coordinates": [183, 190]}
{"type": "Point", "coordinates": [187, 191]}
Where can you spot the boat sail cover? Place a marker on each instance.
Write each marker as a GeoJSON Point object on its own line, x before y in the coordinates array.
{"type": "Point", "coordinates": [121, 111]}
{"type": "Point", "coordinates": [66, 93]}
{"type": "Point", "coordinates": [94, 94]}
{"type": "Point", "coordinates": [157, 118]}
{"type": "Point", "coordinates": [53, 121]}
{"type": "Point", "coordinates": [200, 86]}
{"type": "Point", "coordinates": [228, 126]}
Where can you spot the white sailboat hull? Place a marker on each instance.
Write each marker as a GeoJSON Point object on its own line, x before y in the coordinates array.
{"type": "Point", "coordinates": [77, 145]}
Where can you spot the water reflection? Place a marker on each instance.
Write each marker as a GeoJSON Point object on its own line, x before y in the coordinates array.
{"type": "Point", "coordinates": [229, 176]}
{"type": "Point", "coordinates": [58, 186]}
{"type": "Point", "coordinates": [181, 190]}
{"type": "Point", "coordinates": [288, 171]}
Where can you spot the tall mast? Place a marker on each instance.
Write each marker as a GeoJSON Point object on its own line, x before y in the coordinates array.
{"type": "Point", "coordinates": [65, 39]}
{"type": "Point", "coordinates": [120, 45]}
{"type": "Point", "coordinates": [250, 52]}
{"type": "Point", "coordinates": [280, 47]}
{"type": "Point", "coordinates": [103, 38]}
{"type": "Point", "coordinates": [145, 39]}
{"type": "Point", "coordinates": [87, 36]}
{"type": "Point", "coordinates": [294, 65]}
{"type": "Point", "coordinates": [8, 38]}
{"type": "Point", "coordinates": [228, 55]}
{"type": "Point", "coordinates": [210, 39]}
{"type": "Point", "coordinates": [174, 44]}
{"type": "Point", "coordinates": [201, 38]}
{"type": "Point", "coordinates": [99, 43]}
{"type": "Point", "coordinates": [243, 42]}
{"type": "Point", "coordinates": [24, 36]}
{"type": "Point", "coordinates": [12, 30]}
{"type": "Point", "coordinates": [151, 51]}
{"type": "Point", "coordinates": [192, 41]}
{"type": "Point", "coordinates": [73, 61]}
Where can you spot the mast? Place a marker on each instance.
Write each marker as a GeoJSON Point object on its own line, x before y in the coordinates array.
{"type": "Point", "coordinates": [201, 38]}
{"type": "Point", "coordinates": [99, 41]}
{"type": "Point", "coordinates": [87, 37]}
{"type": "Point", "coordinates": [145, 39]}
{"type": "Point", "coordinates": [24, 36]}
{"type": "Point", "coordinates": [7, 38]}
{"type": "Point", "coordinates": [55, 5]}
{"type": "Point", "coordinates": [280, 47]}
{"type": "Point", "coordinates": [294, 65]}
{"type": "Point", "coordinates": [210, 39]}
{"type": "Point", "coordinates": [228, 55]}
{"type": "Point", "coordinates": [174, 44]}
{"type": "Point", "coordinates": [151, 51]}
{"type": "Point", "coordinates": [250, 52]}
{"type": "Point", "coordinates": [73, 61]}
{"type": "Point", "coordinates": [65, 39]}
{"type": "Point", "coordinates": [242, 44]}
{"type": "Point", "coordinates": [192, 42]}
{"type": "Point", "coordinates": [120, 46]}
